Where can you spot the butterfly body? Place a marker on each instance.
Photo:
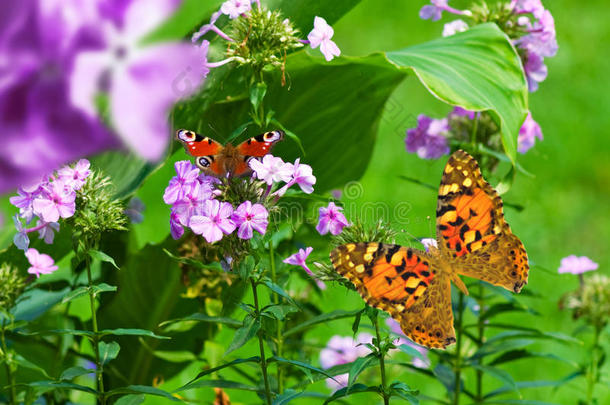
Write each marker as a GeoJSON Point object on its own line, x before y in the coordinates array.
{"type": "Point", "coordinates": [227, 161]}
{"type": "Point", "coordinates": [414, 286]}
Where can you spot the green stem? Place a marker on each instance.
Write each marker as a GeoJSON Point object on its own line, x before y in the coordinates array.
{"type": "Point", "coordinates": [458, 350]}
{"type": "Point", "coordinates": [475, 128]}
{"type": "Point", "coordinates": [384, 384]}
{"type": "Point", "coordinates": [592, 373]}
{"type": "Point", "coordinates": [96, 342]}
{"type": "Point", "coordinates": [261, 347]}
{"type": "Point", "coordinates": [9, 370]}
{"type": "Point", "coordinates": [278, 323]}
{"type": "Point", "coordinates": [481, 335]}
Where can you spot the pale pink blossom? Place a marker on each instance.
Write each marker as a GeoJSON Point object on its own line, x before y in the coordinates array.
{"type": "Point", "coordinates": [40, 263]}
{"type": "Point", "coordinates": [321, 36]}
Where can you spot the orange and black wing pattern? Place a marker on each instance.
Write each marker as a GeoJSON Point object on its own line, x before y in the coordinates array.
{"type": "Point", "coordinates": [403, 282]}
{"type": "Point", "coordinates": [471, 230]}
{"type": "Point", "coordinates": [205, 150]}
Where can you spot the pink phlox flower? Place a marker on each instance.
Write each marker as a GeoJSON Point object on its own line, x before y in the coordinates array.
{"type": "Point", "coordinates": [428, 139]}
{"type": "Point", "coordinates": [303, 176]}
{"type": "Point", "coordinates": [214, 221]}
{"type": "Point", "coordinates": [25, 200]}
{"type": "Point", "coordinates": [40, 263]}
{"type": "Point", "coordinates": [272, 169]}
{"type": "Point", "coordinates": [435, 10]}
{"type": "Point", "coordinates": [175, 226]}
{"type": "Point", "coordinates": [577, 264]}
{"type": "Point", "coordinates": [47, 231]}
{"type": "Point", "coordinates": [542, 37]}
{"type": "Point", "coordinates": [235, 8]}
{"type": "Point", "coordinates": [180, 185]}
{"type": "Point", "coordinates": [76, 176]}
{"type": "Point", "coordinates": [535, 70]}
{"type": "Point", "coordinates": [404, 340]}
{"type": "Point", "coordinates": [21, 239]}
{"type": "Point", "coordinates": [58, 201]}
{"type": "Point", "coordinates": [321, 36]}
{"type": "Point", "coordinates": [331, 220]}
{"type": "Point", "coordinates": [299, 258]}
{"type": "Point", "coordinates": [343, 350]}
{"type": "Point", "coordinates": [454, 27]}
{"type": "Point", "coordinates": [248, 217]}
{"type": "Point", "coordinates": [192, 203]}
{"type": "Point", "coordinates": [461, 112]}
{"type": "Point", "coordinates": [533, 7]}
{"type": "Point", "coordinates": [530, 130]}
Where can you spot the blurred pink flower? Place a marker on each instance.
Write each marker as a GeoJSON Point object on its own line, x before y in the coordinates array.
{"type": "Point", "coordinates": [454, 27]}
{"type": "Point", "coordinates": [180, 185]}
{"type": "Point", "coordinates": [404, 340]}
{"type": "Point", "coordinates": [47, 231]}
{"type": "Point", "coordinates": [428, 138]}
{"type": "Point", "coordinates": [321, 36]}
{"type": "Point", "coordinates": [175, 226]}
{"type": "Point", "coordinates": [214, 221]}
{"type": "Point", "coordinates": [331, 220]}
{"type": "Point", "coordinates": [235, 8]}
{"type": "Point", "coordinates": [343, 350]}
{"type": "Point", "coordinates": [577, 265]}
{"type": "Point", "coordinates": [530, 130]}
{"type": "Point", "coordinates": [40, 263]}
{"type": "Point", "coordinates": [58, 201]}
{"type": "Point", "coordinates": [75, 177]}
{"type": "Point", "coordinates": [435, 10]}
{"type": "Point", "coordinates": [299, 258]}
{"type": "Point", "coordinates": [248, 217]}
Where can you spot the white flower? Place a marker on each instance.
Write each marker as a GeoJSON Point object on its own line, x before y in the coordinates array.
{"type": "Point", "coordinates": [454, 27]}
{"type": "Point", "coordinates": [321, 36]}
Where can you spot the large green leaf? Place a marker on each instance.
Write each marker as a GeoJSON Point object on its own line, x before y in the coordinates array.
{"type": "Point", "coordinates": [479, 70]}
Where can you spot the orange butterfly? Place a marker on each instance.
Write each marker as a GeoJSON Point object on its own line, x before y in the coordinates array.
{"type": "Point", "coordinates": [473, 240]}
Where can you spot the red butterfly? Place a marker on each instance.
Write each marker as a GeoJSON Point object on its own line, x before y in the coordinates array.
{"type": "Point", "coordinates": [228, 160]}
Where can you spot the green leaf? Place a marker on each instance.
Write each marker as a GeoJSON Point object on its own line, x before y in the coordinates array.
{"type": "Point", "coordinates": [279, 291]}
{"type": "Point", "coordinates": [257, 94]}
{"type": "Point", "coordinates": [73, 372]}
{"type": "Point", "coordinates": [355, 389]}
{"type": "Point", "coordinates": [25, 363]}
{"type": "Point", "coordinates": [242, 335]}
{"type": "Point", "coordinates": [199, 317]}
{"type": "Point", "coordinates": [84, 290]}
{"type": "Point", "coordinates": [522, 385]}
{"type": "Point", "coordinates": [141, 389]}
{"type": "Point", "coordinates": [246, 267]}
{"type": "Point", "coordinates": [195, 263]}
{"type": "Point", "coordinates": [130, 400]}
{"type": "Point", "coordinates": [518, 402]}
{"type": "Point", "coordinates": [489, 348]}
{"type": "Point", "coordinates": [131, 332]}
{"type": "Point", "coordinates": [279, 312]}
{"type": "Point", "coordinates": [36, 302]}
{"type": "Point", "coordinates": [506, 307]}
{"type": "Point", "coordinates": [403, 391]}
{"type": "Point", "coordinates": [51, 385]}
{"type": "Point", "coordinates": [127, 171]}
{"type": "Point", "coordinates": [322, 318]}
{"type": "Point", "coordinates": [413, 352]}
{"type": "Point", "coordinates": [478, 70]}
{"type": "Point", "coordinates": [96, 254]}
{"type": "Point", "coordinates": [446, 376]}
{"type": "Point", "coordinates": [499, 375]}
{"type": "Point", "coordinates": [520, 354]}
{"type": "Point", "coordinates": [220, 384]}
{"type": "Point", "coordinates": [108, 351]}
{"type": "Point", "coordinates": [300, 365]}
{"type": "Point", "coordinates": [175, 356]}
{"type": "Point", "coordinates": [359, 365]}
{"type": "Point", "coordinates": [302, 12]}
{"type": "Point", "coordinates": [287, 396]}
{"type": "Point", "coordinates": [189, 385]}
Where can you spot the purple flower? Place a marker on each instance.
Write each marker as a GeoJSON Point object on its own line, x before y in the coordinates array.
{"type": "Point", "coordinates": [435, 10]}
{"type": "Point", "coordinates": [214, 221]}
{"type": "Point", "coordinates": [248, 217]}
{"type": "Point", "coordinates": [235, 8]}
{"type": "Point", "coordinates": [272, 169]}
{"type": "Point", "coordinates": [454, 27]}
{"type": "Point", "coordinates": [321, 36]}
{"type": "Point", "coordinates": [191, 204]}
{"type": "Point", "coordinates": [134, 210]}
{"type": "Point", "coordinates": [534, 7]}
{"type": "Point", "coordinates": [57, 202]}
{"type": "Point", "coordinates": [47, 231]}
{"type": "Point", "coordinates": [331, 220]}
{"type": "Point", "coordinates": [75, 177]}
{"type": "Point", "coordinates": [535, 70]}
{"type": "Point", "coordinates": [40, 263]}
{"type": "Point", "coordinates": [427, 139]}
{"type": "Point", "coordinates": [577, 265]}
{"type": "Point", "coordinates": [25, 200]}
{"type": "Point", "coordinates": [21, 239]}
{"type": "Point", "coordinates": [530, 130]}
{"type": "Point", "coordinates": [343, 350]}
{"type": "Point", "coordinates": [403, 340]}
{"type": "Point", "coordinates": [303, 176]}
{"type": "Point", "coordinates": [175, 226]}
{"type": "Point", "coordinates": [180, 185]}
{"type": "Point", "coordinates": [299, 258]}
{"type": "Point", "coordinates": [460, 112]}
{"type": "Point", "coordinates": [143, 81]}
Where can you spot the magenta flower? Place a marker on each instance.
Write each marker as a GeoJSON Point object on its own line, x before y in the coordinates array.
{"type": "Point", "coordinates": [299, 258]}
{"type": "Point", "coordinates": [403, 340]}
{"type": "Point", "coordinates": [331, 220]}
{"type": "Point", "coordinates": [428, 138]}
{"type": "Point", "coordinates": [343, 350]}
{"type": "Point", "coordinates": [321, 36]}
{"type": "Point", "coordinates": [40, 263]}
{"type": "Point", "coordinates": [75, 177]}
{"type": "Point", "coordinates": [530, 130]}
{"type": "Point", "coordinates": [460, 112]}
{"type": "Point", "coordinates": [577, 265]}
{"type": "Point", "coordinates": [303, 176]}
{"type": "Point", "coordinates": [214, 221]}
{"type": "Point", "coordinates": [248, 217]}
{"type": "Point", "coordinates": [454, 27]}
{"type": "Point", "coordinates": [535, 70]}
{"type": "Point", "coordinates": [534, 7]}
{"type": "Point", "coordinates": [235, 8]}
{"type": "Point", "coordinates": [272, 169]}
{"type": "Point", "coordinates": [57, 202]}
{"type": "Point", "coordinates": [25, 200]}
{"type": "Point", "coordinates": [175, 227]}
{"type": "Point", "coordinates": [192, 203]}
{"type": "Point", "coordinates": [435, 10]}
{"type": "Point", "coordinates": [180, 185]}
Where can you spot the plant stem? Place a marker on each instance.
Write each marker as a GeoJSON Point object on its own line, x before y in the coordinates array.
{"type": "Point", "coordinates": [592, 373]}
{"type": "Point", "coordinates": [9, 370]}
{"type": "Point", "coordinates": [481, 335]}
{"type": "Point", "coordinates": [384, 384]}
{"type": "Point", "coordinates": [96, 342]}
{"type": "Point", "coordinates": [261, 347]}
{"type": "Point", "coordinates": [457, 367]}
{"type": "Point", "coordinates": [278, 323]}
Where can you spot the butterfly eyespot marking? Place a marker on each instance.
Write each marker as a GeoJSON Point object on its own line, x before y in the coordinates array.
{"type": "Point", "coordinates": [204, 161]}
{"type": "Point", "coordinates": [186, 135]}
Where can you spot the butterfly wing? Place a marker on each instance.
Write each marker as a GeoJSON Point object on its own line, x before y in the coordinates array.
{"type": "Point", "coordinates": [403, 282]}
{"type": "Point", "coordinates": [205, 150]}
{"type": "Point", "coordinates": [255, 147]}
{"type": "Point", "coordinates": [471, 230]}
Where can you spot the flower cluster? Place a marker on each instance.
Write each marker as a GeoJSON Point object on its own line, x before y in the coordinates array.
{"type": "Point", "coordinates": [47, 201]}
{"type": "Point", "coordinates": [431, 137]}
{"type": "Point", "coordinates": [72, 60]}
{"type": "Point", "coordinates": [199, 202]}
{"type": "Point", "coordinates": [527, 23]}
{"type": "Point", "coordinates": [342, 350]}
{"type": "Point", "coordinates": [261, 38]}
